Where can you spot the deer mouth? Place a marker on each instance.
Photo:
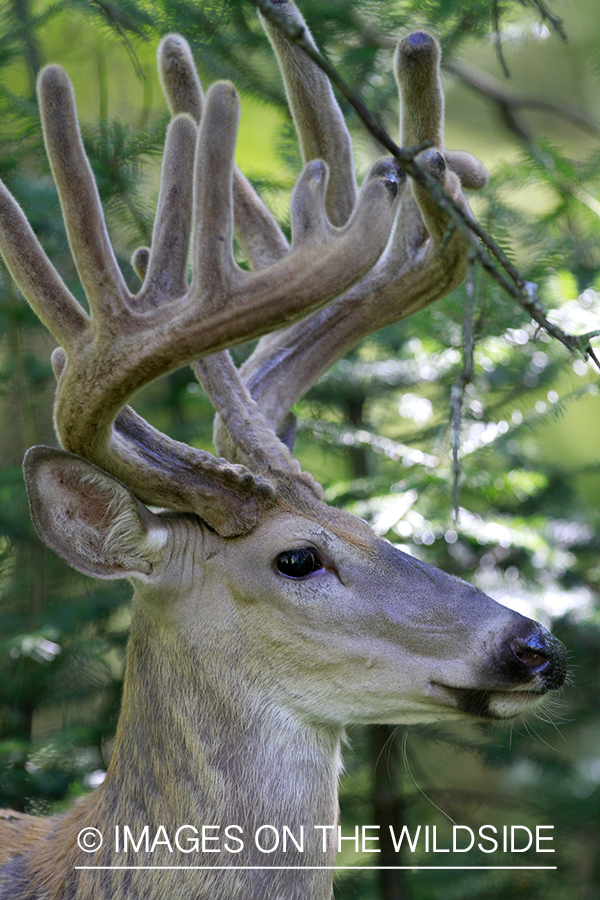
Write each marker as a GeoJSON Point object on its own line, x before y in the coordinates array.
{"type": "Point", "coordinates": [490, 704]}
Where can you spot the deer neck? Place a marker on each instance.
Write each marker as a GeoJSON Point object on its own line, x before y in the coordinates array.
{"type": "Point", "coordinates": [196, 747]}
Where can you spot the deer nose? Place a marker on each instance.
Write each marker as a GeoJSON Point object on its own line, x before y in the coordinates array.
{"type": "Point", "coordinates": [540, 654]}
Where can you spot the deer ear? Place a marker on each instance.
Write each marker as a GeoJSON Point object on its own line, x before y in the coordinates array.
{"type": "Point", "coordinates": [89, 518]}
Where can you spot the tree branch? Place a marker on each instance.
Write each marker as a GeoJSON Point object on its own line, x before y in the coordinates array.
{"type": "Point", "coordinates": [510, 101]}
{"type": "Point", "coordinates": [483, 248]}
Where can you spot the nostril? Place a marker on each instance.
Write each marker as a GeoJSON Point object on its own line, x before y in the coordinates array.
{"type": "Point", "coordinates": [532, 658]}
{"type": "Point", "coordinates": [541, 655]}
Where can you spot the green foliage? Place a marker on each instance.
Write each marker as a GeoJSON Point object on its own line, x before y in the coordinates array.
{"type": "Point", "coordinates": [375, 431]}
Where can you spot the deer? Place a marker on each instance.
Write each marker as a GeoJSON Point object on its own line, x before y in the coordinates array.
{"type": "Point", "coordinates": [264, 621]}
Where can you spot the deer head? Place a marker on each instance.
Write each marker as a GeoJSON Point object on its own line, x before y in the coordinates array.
{"type": "Point", "coordinates": [264, 620]}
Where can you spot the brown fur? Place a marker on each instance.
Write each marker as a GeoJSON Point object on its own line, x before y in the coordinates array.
{"type": "Point", "coordinates": [20, 832]}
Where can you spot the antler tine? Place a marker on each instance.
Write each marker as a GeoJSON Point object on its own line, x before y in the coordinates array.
{"type": "Point", "coordinates": [318, 119]}
{"type": "Point", "coordinates": [100, 275]}
{"type": "Point", "coordinates": [417, 70]}
{"type": "Point", "coordinates": [48, 295]}
{"type": "Point", "coordinates": [257, 444]}
{"type": "Point", "coordinates": [179, 78]}
{"type": "Point", "coordinates": [416, 268]}
{"type": "Point", "coordinates": [166, 267]}
{"type": "Point", "coordinates": [213, 233]}
{"type": "Point", "coordinates": [256, 229]}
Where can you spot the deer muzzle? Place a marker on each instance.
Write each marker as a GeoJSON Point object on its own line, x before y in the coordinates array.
{"type": "Point", "coordinates": [525, 667]}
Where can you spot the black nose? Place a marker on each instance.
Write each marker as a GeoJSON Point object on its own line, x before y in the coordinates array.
{"type": "Point", "coordinates": [539, 654]}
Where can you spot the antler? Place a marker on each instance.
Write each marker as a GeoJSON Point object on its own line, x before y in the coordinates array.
{"type": "Point", "coordinates": [343, 246]}
{"type": "Point", "coordinates": [421, 262]}
{"type": "Point", "coordinates": [127, 341]}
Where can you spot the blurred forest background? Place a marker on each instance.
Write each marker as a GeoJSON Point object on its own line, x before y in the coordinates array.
{"type": "Point", "coordinates": [523, 92]}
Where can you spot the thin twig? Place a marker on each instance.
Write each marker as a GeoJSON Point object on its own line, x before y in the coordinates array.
{"type": "Point", "coordinates": [457, 393]}
{"type": "Point", "coordinates": [506, 275]}
{"type": "Point", "coordinates": [512, 100]}
{"type": "Point", "coordinates": [498, 39]}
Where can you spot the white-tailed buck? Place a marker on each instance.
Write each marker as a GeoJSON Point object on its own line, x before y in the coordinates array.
{"type": "Point", "coordinates": [264, 621]}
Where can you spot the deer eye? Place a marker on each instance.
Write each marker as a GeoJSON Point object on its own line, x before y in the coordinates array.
{"type": "Point", "coordinates": [298, 563]}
